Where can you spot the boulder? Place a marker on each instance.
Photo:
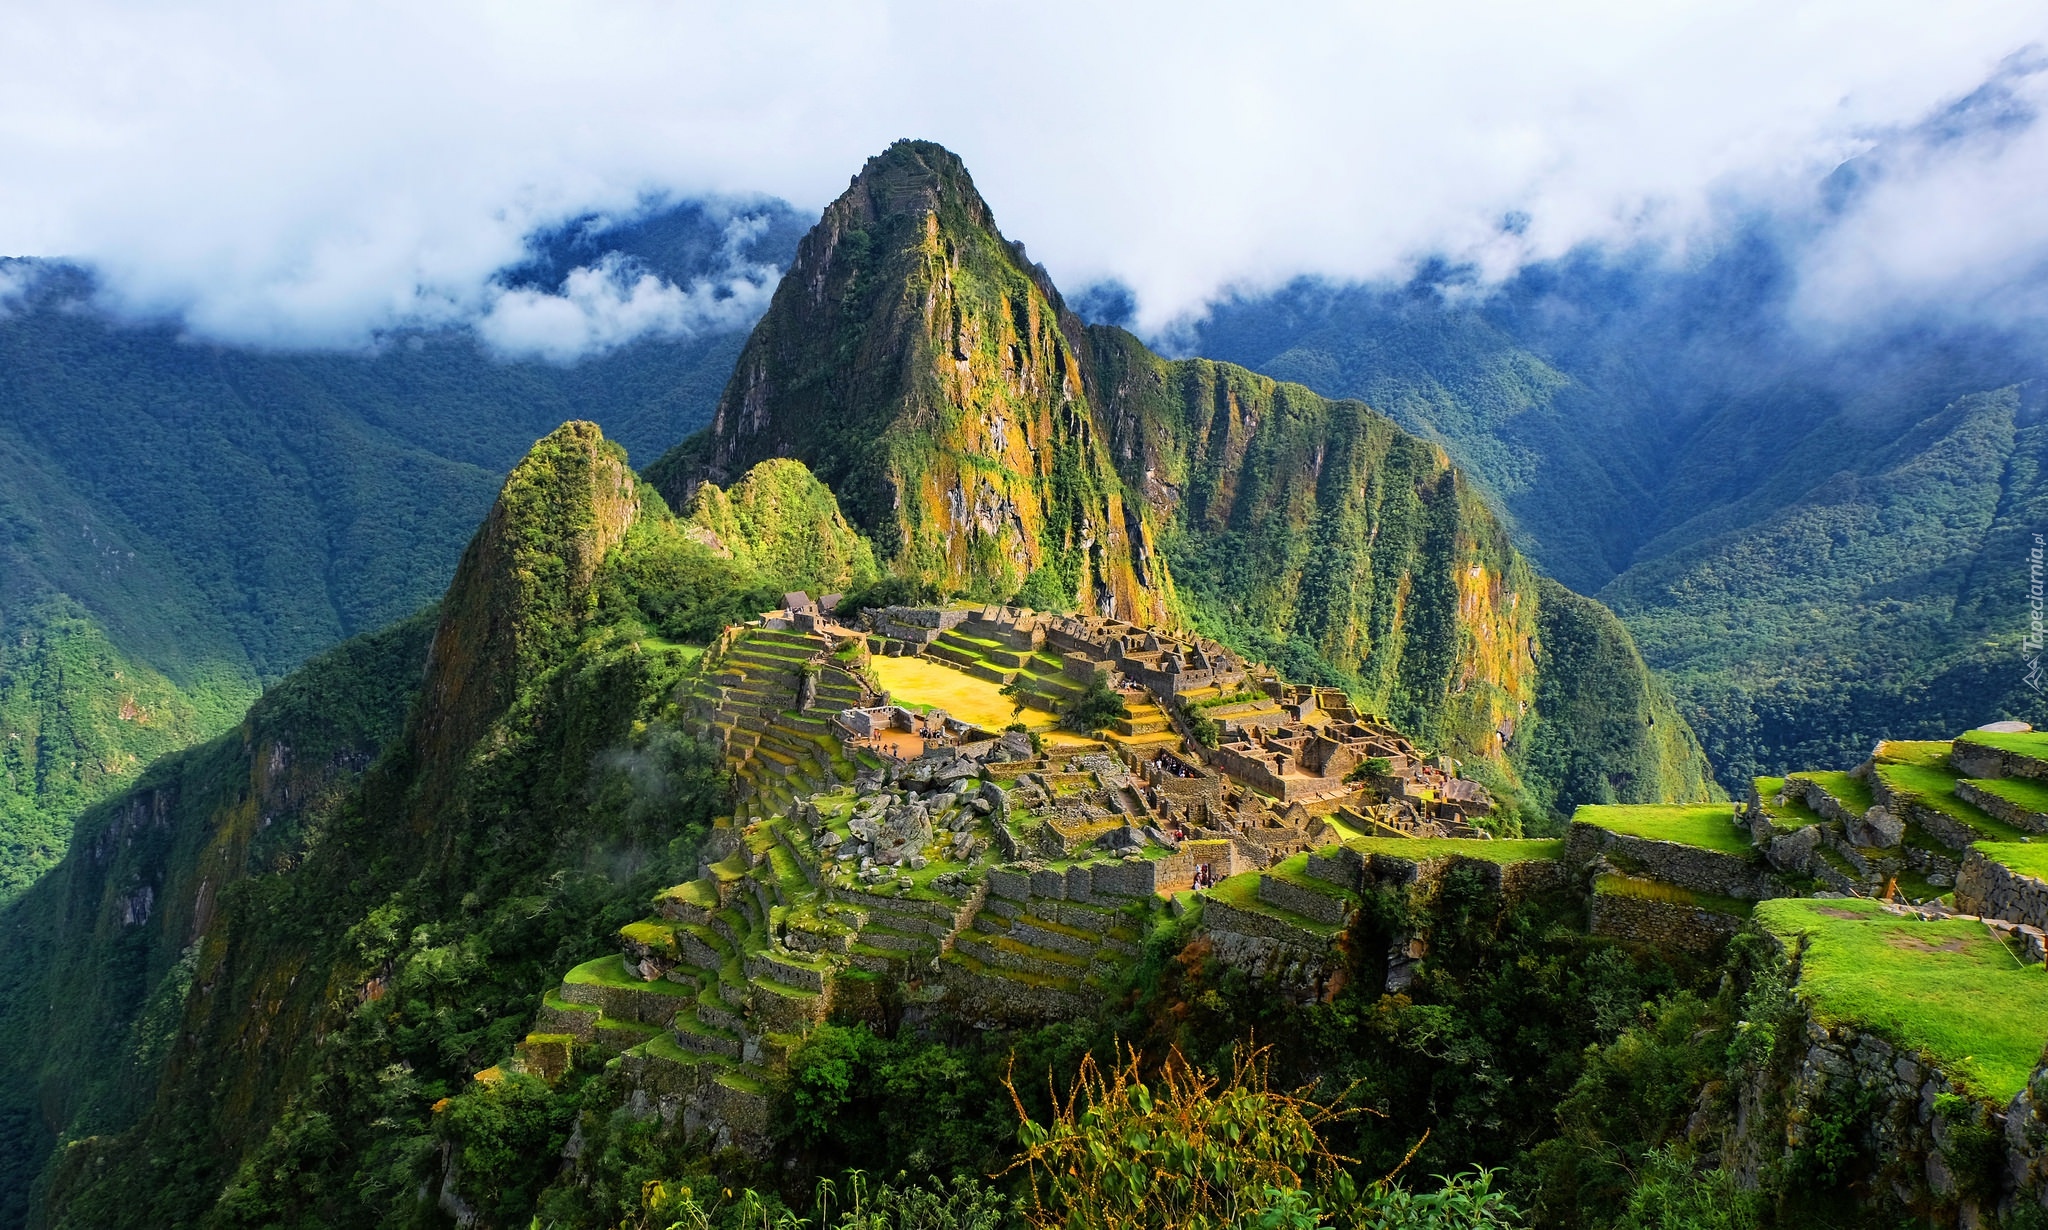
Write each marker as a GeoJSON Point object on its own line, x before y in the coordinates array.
{"type": "Point", "coordinates": [1877, 827]}
{"type": "Point", "coordinates": [1794, 850]}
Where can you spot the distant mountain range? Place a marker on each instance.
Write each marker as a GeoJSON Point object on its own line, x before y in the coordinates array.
{"type": "Point", "coordinates": [183, 523]}
{"type": "Point", "coordinates": [1815, 540]}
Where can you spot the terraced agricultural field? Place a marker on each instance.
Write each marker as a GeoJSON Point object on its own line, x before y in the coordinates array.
{"type": "Point", "coordinates": [921, 682]}
{"type": "Point", "coordinates": [1791, 814]}
{"type": "Point", "coordinates": [2030, 793]}
{"type": "Point", "coordinates": [1932, 753]}
{"type": "Point", "coordinates": [1709, 826]}
{"type": "Point", "coordinates": [2033, 743]}
{"type": "Point", "coordinates": [2027, 858]}
{"type": "Point", "coordinates": [1615, 885]}
{"type": "Point", "coordinates": [1934, 787]}
{"type": "Point", "coordinates": [1851, 792]}
{"type": "Point", "coordinates": [1946, 988]}
{"type": "Point", "coordinates": [1419, 848]}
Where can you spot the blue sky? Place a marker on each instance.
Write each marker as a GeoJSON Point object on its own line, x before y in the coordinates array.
{"type": "Point", "coordinates": [311, 174]}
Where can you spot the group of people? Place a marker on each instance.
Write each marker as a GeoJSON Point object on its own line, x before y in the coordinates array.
{"type": "Point", "coordinates": [1205, 877]}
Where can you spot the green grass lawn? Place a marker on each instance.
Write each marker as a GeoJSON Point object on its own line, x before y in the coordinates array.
{"type": "Point", "coordinates": [1671, 894]}
{"type": "Point", "coordinates": [1936, 789]}
{"type": "Point", "coordinates": [1242, 891]}
{"type": "Point", "coordinates": [1933, 753]}
{"type": "Point", "coordinates": [1793, 813]}
{"type": "Point", "coordinates": [611, 972]}
{"type": "Point", "coordinates": [1468, 847]}
{"type": "Point", "coordinates": [1851, 792]}
{"type": "Point", "coordinates": [2030, 793]}
{"type": "Point", "coordinates": [2032, 743]}
{"type": "Point", "coordinates": [1945, 988]}
{"type": "Point", "coordinates": [1710, 827]}
{"type": "Point", "coordinates": [2027, 858]}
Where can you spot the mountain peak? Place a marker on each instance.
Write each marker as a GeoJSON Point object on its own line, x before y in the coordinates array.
{"type": "Point", "coordinates": [918, 177]}
{"type": "Point", "coordinates": [925, 371]}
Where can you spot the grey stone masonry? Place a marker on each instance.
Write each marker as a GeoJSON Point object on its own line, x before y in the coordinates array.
{"type": "Point", "coordinates": [1993, 890]}
{"type": "Point", "coordinates": [1326, 908]}
{"type": "Point", "coordinates": [1981, 760]}
{"type": "Point", "coordinates": [2003, 808]}
{"type": "Point", "coordinates": [1691, 867]}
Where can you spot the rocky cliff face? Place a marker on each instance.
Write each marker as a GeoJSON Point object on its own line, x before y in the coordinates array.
{"type": "Point", "coordinates": [917, 362]}
{"type": "Point", "coordinates": [525, 581]}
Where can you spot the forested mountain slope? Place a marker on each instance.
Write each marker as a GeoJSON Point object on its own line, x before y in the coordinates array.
{"type": "Point", "coordinates": [182, 523]}
{"type": "Point", "coordinates": [1817, 539]}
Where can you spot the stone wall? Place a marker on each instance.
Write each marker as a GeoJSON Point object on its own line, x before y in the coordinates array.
{"type": "Point", "coordinates": [1662, 925]}
{"type": "Point", "coordinates": [2003, 808]}
{"type": "Point", "coordinates": [1109, 882]}
{"type": "Point", "coordinates": [1977, 760]}
{"type": "Point", "coordinates": [1688, 867]}
{"type": "Point", "coordinates": [690, 1096]}
{"type": "Point", "coordinates": [1993, 890]}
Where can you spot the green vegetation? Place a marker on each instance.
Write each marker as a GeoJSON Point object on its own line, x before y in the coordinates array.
{"type": "Point", "coordinates": [1098, 706]}
{"type": "Point", "coordinates": [183, 525]}
{"type": "Point", "coordinates": [1924, 985]}
{"type": "Point", "coordinates": [2032, 743]}
{"type": "Point", "coordinates": [2027, 792]}
{"type": "Point", "coordinates": [1847, 789]}
{"type": "Point", "coordinates": [2028, 858]}
{"type": "Point", "coordinates": [1671, 894]}
{"type": "Point", "coordinates": [1931, 753]}
{"type": "Point", "coordinates": [1494, 851]}
{"type": "Point", "coordinates": [1793, 813]}
{"type": "Point", "coordinates": [1188, 1150]}
{"type": "Point", "coordinates": [1934, 787]}
{"type": "Point", "coordinates": [1709, 828]}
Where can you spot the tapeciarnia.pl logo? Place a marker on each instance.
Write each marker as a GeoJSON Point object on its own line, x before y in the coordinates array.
{"type": "Point", "coordinates": [2037, 608]}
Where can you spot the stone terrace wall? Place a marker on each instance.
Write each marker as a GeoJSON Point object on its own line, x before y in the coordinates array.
{"type": "Point", "coordinates": [1993, 890]}
{"type": "Point", "coordinates": [1689, 867]}
{"type": "Point", "coordinates": [1905, 1132]}
{"type": "Point", "coordinates": [1977, 760]}
{"type": "Point", "coordinates": [1663, 925]}
{"type": "Point", "coordinates": [2003, 808]}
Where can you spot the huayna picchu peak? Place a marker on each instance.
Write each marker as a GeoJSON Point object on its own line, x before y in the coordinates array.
{"type": "Point", "coordinates": [941, 771]}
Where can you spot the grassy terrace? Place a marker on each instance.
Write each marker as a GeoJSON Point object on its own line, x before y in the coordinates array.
{"type": "Point", "coordinates": [611, 972]}
{"type": "Point", "coordinates": [2027, 858]}
{"type": "Point", "coordinates": [1242, 891]}
{"type": "Point", "coordinates": [1930, 753]}
{"type": "Point", "coordinates": [1793, 813]}
{"type": "Point", "coordinates": [1671, 894]}
{"type": "Point", "coordinates": [2032, 743]}
{"type": "Point", "coordinates": [926, 682]}
{"type": "Point", "coordinates": [1935, 788]}
{"type": "Point", "coordinates": [1944, 988]}
{"type": "Point", "coordinates": [1466, 847]}
{"type": "Point", "coordinates": [1709, 826]}
{"type": "Point", "coordinates": [1851, 792]}
{"type": "Point", "coordinates": [2030, 793]}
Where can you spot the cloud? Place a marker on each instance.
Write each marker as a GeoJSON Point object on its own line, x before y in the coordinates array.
{"type": "Point", "coordinates": [603, 306]}
{"type": "Point", "coordinates": [313, 174]}
{"type": "Point", "coordinates": [1948, 212]}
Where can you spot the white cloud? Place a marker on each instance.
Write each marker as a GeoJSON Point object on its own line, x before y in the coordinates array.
{"type": "Point", "coordinates": [310, 174]}
{"type": "Point", "coordinates": [613, 302]}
